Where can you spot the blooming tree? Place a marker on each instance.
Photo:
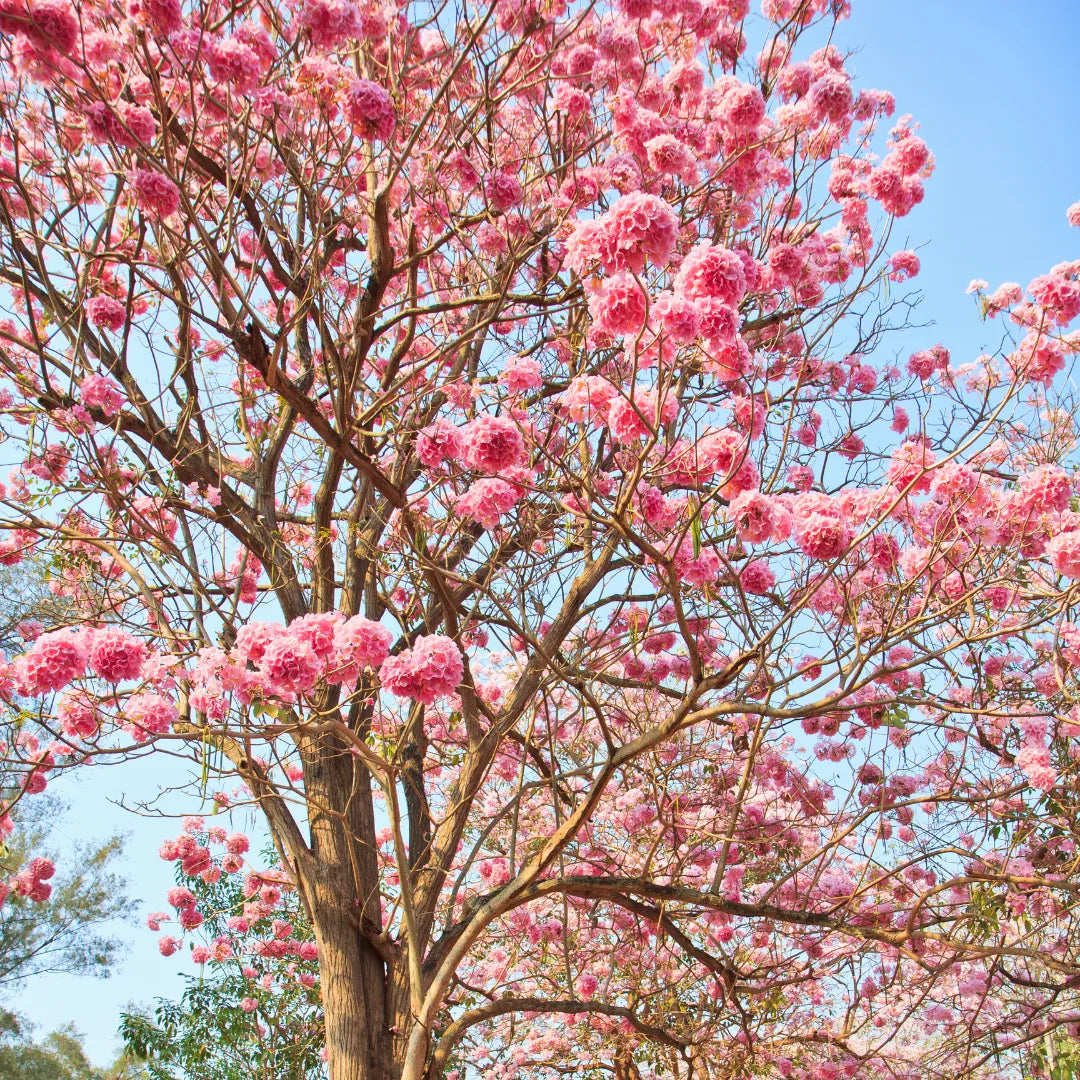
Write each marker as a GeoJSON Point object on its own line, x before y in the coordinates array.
{"type": "Point", "coordinates": [460, 430]}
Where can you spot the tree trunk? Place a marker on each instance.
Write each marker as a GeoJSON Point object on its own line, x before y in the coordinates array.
{"type": "Point", "coordinates": [343, 887]}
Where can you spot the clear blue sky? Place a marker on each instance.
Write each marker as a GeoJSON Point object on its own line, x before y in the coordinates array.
{"type": "Point", "coordinates": [987, 80]}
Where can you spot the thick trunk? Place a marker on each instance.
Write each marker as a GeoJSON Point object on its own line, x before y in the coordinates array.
{"type": "Point", "coordinates": [353, 991]}
{"type": "Point", "coordinates": [342, 883]}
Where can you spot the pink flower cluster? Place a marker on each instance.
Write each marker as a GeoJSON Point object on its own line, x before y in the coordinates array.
{"type": "Point", "coordinates": [59, 657]}
{"type": "Point", "coordinates": [431, 668]}
{"type": "Point", "coordinates": [369, 109]}
{"type": "Point", "coordinates": [637, 227]}
{"type": "Point", "coordinates": [32, 881]}
{"type": "Point", "coordinates": [155, 192]}
{"type": "Point", "coordinates": [331, 22]}
{"type": "Point", "coordinates": [289, 660]}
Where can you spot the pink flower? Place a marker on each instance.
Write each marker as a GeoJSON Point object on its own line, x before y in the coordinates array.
{"type": "Point", "coordinates": [824, 537]}
{"type": "Point", "coordinates": [54, 660]}
{"type": "Point", "coordinates": [1046, 489]}
{"type": "Point", "coordinates": [712, 272]}
{"type": "Point", "coordinates": [903, 265]}
{"type": "Point", "coordinates": [233, 61]}
{"type": "Point", "coordinates": [249, 1004]}
{"type": "Point", "coordinates": [756, 578]}
{"type": "Point", "coordinates": [438, 442]}
{"type": "Point", "coordinates": [359, 643]}
{"type": "Point", "coordinates": [1072, 215]}
{"type": "Point", "coordinates": [492, 444]}
{"type": "Point", "coordinates": [98, 392]}
{"type": "Point", "coordinates": [331, 22]}
{"type": "Point", "coordinates": [115, 655]}
{"type": "Point", "coordinates": [290, 664]}
{"type": "Point", "coordinates": [522, 373]}
{"type": "Point", "coordinates": [831, 96]}
{"type": "Point", "coordinates": [432, 668]}
{"type": "Point", "coordinates": [503, 190]}
{"type": "Point", "coordinates": [236, 843]}
{"type": "Point", "coordinates": [200, 954]}
{"type": "Point", "coordinates": [161, 16]}
{"type": "Point", "coordinates": [911, 465]}
{"type": "Point", "coordinates": [107, 312]}
{"type": "Point", "coordinates": [637, 227]}
{"type": "Point", "coordinates": [741, 106]}
{"type": "Point", "coordinates": [52, 24]}
{"type": "Point", "coordinates": [369, 109]}
{"type": "Point", "coordinates": [252, 639]}
{"type": "Point", "coordinates": [168, 945]}
{"type": "Point", "coordinates": [754, 516]}
{"type": "Point", "coordinates": [586, 397]}
{"type": "Point", "coordinates": [155, 192]}
{"type": "Point", "coordinates": [629, 421]}
{"type": "Point", "coordinates": [487, 500]}
{"type": "Point", "coordinates": [1063, 551]}
{"type": "Point", "coordinates": [585, 986]}
{"type": "Point", "coordinates": [618, 305]}
{"type": "Point", "coordinates": [1035, 763]}
{"type": "Point", "coordinates": [152, 714]}
{"type": "Point", "coordinates": [671, 156]}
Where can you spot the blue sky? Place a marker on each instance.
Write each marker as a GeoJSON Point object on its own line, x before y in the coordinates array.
{"type": "Point", "coordinates": [987, 81]}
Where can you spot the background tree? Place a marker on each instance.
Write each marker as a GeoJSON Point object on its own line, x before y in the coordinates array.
{"type": "Point", "coordinates": [459, 432]}
{"type": "Point", "coordinates": [67, 930]}
{"type": "Point", "coordinates": [253, 1011]}
{"type": "Point", "coordinates": [59, 1056]}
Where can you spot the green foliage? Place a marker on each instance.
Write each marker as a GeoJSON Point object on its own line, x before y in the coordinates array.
{"type": "Point", "coordinates": [66, 932]}
{"type": "Point", "coordinates": [208, 1034]}
{"type": "Point", "coordinates": [59, 1056]}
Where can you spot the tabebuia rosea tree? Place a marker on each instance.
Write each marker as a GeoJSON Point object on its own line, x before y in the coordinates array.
{"type": "Point", "coordinates": [470, 434]}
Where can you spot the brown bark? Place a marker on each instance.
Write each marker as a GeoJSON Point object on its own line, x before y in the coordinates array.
{"type": "Point", "coordinates": [341, 881]}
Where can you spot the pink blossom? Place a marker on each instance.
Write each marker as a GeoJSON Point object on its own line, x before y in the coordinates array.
{"type": "Point", "coordinates": [168, 945]}
{"type": "Point", "coordinates": [1063, 551]}
{"type": "Point", "coordinates": [636, 228]}
{"type": "Point", "coordinates": [630, 420]}
{"type": "Point", "coordinates": [107, 312]}
{"type": "Point", "coordinates": [503, 190]}
{"type": "Point", "coordinates": [709, 271]}
{"type": "Point", "coordinates": [586, 397]}
{"type": "Point", "coordinates": [822, 536]}
{"type": "Point", "coordinates": [1035, 763]}
{"type": "Point", "coordinates": [754, 516]}
{"type": "Point", "coordinates": [151, 714]}
{"type": "Point", "coordinates": [432, 668]}
{"type": "Point", "coordinates": [618, 305]}
{"type": "Point", "coordinates": [1072, 215]}
{"type": "Point", "coordinates": [486, 501]}
{"type": "Point", "coordinates": [54, 660]}
{"type": "Point", "coordinates": [831, 96]}
{"type": "Point", "coordinates": [290, 664]}
{"type": "Point", "coordinates": [369, 109]}
{"type": "Point", "coordinates": [234, 61]}
{"type": "Point", "coordinates": [911, 464]}
{"type": "Point", "coordinates": [155, 192]}
{"type": "Point", "coordinates": [438, 442]}
{"type": "Point", "coordinates": [115, 655]}
{"type": "Point", "coordinates": [492, 443]}
{"type": "Point", "coordinates": [331, 22]}
{"type": "Point", "coordinates": [161, 16]}
{"type": "Point", "coordinates": [903, 265]}
{"type": "Point", "coordinates": [756, 578]}
{"type": "Point", "coordinates": [521, 373]}
{"type": "Point", "coordinates": [359, 643]}
{"type": "Point", "coordinates": [236, 843]}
